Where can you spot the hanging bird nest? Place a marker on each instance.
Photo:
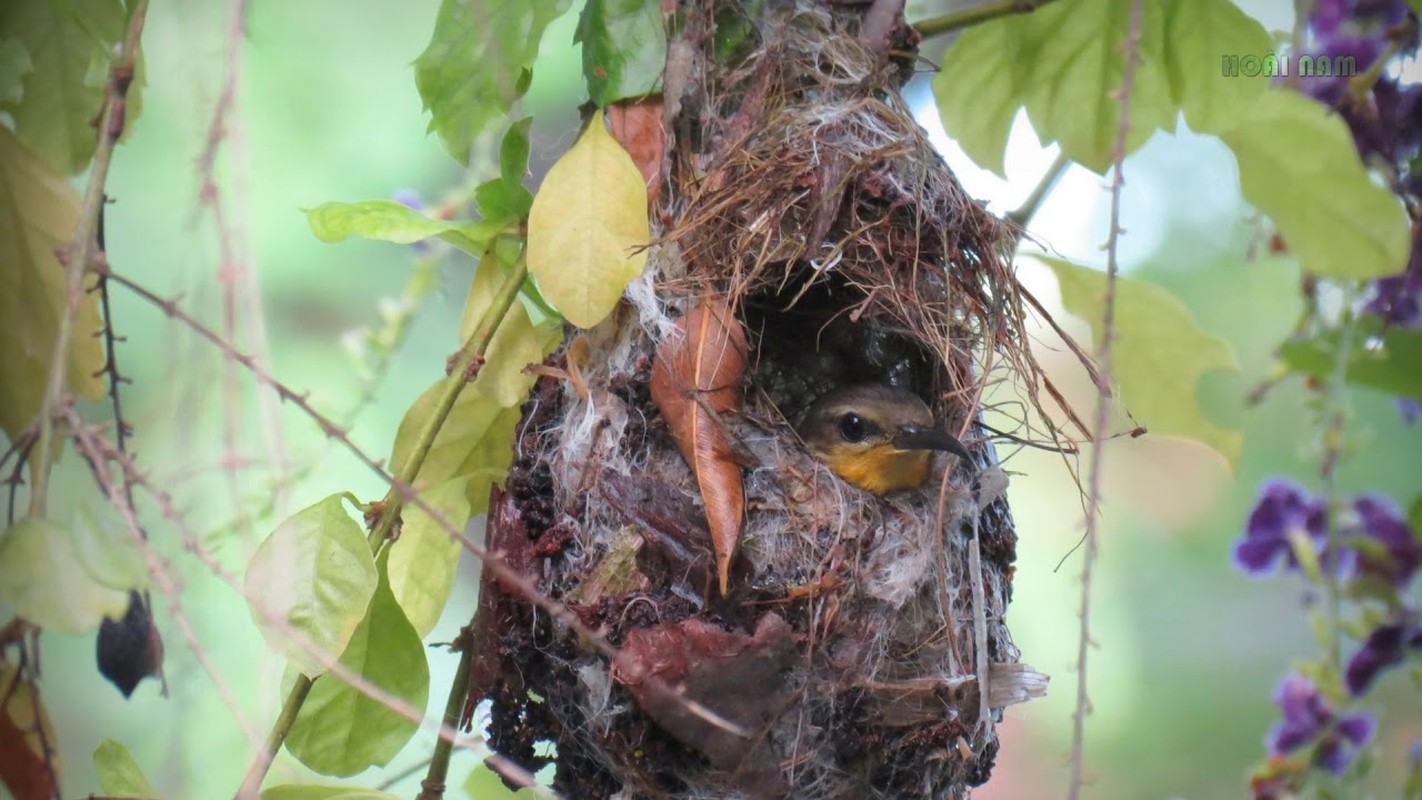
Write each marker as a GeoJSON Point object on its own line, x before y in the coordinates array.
{"type": "Point", "coordinates": [810, 238]}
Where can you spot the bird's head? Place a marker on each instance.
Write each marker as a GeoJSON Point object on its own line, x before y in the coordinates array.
{"type": "Point", "coordinates": [877, 437]}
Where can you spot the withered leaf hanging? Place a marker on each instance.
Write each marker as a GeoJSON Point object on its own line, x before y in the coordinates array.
{"type": "Point", "coordinates": [697, 375]}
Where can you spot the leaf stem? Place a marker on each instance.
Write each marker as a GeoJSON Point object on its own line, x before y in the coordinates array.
{"type": "Point", "coordinates": [252, 784]}
{"type": "Point", "coordinates": [461, 374]}
{"type": "Point", "coordinates": [83, 246]}
{"type": "Point", "coordinates": [432, 787]}
{"type": "Point", "coordinates": [1023, 214]}
{"type": "Point", "coordinates": [964, 17]}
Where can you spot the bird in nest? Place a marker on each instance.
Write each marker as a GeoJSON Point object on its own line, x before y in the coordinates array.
{"type": "Point", "coordinates": [878, 438]}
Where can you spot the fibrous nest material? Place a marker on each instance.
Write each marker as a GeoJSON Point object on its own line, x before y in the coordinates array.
{"type": "Point", "coordinates": [861, 650]}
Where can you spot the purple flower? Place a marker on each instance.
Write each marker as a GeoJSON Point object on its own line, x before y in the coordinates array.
{"type": "Point", "coordinates": [1383, 649]}
{"type": "Point", "coordinates": [1309, 719]}
{"type": "Point", "coordinates": [1283, 506]}
{"type": "Point", "coordinates": [1395, 298]}
{"type": "Point", "coordinates": [409, 197]}
{"type": "Point", "coordinates": [1390, 549]}
{"type": "Point", "coordinates": [1409, 409]}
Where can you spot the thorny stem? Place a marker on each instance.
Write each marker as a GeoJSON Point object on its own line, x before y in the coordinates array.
{"type": "Point", "coordinates": [1103, 401]}
{"type": "Point", "coordinates": [470, 356]}
{"type": "Point", "coordinates": [432, 788]}
{"type": "Point", "coordinates": [962, 18]}
{"type": "Point", "coordinates": [294, 700]}
{"type": "Point", "coordinates": [81, 249]}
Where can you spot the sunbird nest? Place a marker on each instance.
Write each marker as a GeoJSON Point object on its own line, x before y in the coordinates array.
{"type": "Point", "coordinates": [802, 196]}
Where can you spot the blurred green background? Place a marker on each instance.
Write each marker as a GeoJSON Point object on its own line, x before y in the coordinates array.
{"type": "Point", "coordinates": [1189, 651]}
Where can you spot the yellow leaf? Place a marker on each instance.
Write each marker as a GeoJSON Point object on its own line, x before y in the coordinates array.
{"type": "Point", "coordinates": [587, 227]}
{"type": "Point", "coordinates": [1159, 354]}
{"type": "Point", "coordinates": [38, 212]}
{"type": "Point", "coordinates": [424, 559]}
{"type": "Point", "coordinates": [516, 344]}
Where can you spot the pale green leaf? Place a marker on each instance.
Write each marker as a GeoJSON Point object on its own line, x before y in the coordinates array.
{"type": "Point", "coordinates": [980, 86]}
{"type": "Point", "coordinates": [476, 64]}
{"type": "Point", "coordinates": [516, 343]}
{"type": "Point", "coordinates": [308, 791]}
{"type": "Point", "coordinates": [316, 575]}
{"type": "Point", "coordinates": [340, 731]}
{"type": "Point", "coordinates": [476, 438]}
{"type": "Point", "coordinates": [119, 774]}
{"type": "Point", "coordinates": [70, 45]}
{"type": "Point", "coordinates": [513, 152]}
{"type": "Point", "coordinates": [588, 227]}
{"type": "Point", "coordinates": [423, 561]}
{"type": "Point", "coordinates": [41, 579]}
{"type": "Point", "coordinates": [1078, 70]}
{"type": "Point", "coordinates": [108, 556]}
{"type": "Point", "coordinates": [1159, 354]}
{"type": "Point", "coordinates": [389, 221]}
{"type": "Point", "coordinates": [1199, 34]}
{"type": "Point", "coordinates": [1386, 360]}
{"type": "Point", "coordinates": [485, 784]}
{"type": "Point", "coordinates": [15, 64]}
{"type": "Point", "coordinates": [38, 212]}
{"type": "Point", "coordinates": [1297, 164]}
{"type": "Point", "coordinates": [624, 48]}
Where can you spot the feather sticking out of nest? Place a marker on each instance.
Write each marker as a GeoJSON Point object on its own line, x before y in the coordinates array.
{"type": "Point", "coordinates": [862, 639]}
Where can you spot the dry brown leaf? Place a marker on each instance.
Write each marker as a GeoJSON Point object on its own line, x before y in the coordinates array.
{"type": "Point", "coordinates": [697, 375]}
{"type": "Point", "coordinates": [638, 126]}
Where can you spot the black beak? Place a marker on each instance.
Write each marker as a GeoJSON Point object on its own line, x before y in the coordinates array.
{"type": "Point", "coordinates": [919, 437]}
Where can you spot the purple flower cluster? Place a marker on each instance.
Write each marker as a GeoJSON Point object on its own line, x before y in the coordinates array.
{"type": "Point", "coordinates": [1309, 720]}
{"type": "Point", "coordinates": [1357, 28]}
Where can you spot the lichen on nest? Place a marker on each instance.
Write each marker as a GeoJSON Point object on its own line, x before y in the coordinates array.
{"type": "Point", "coordinates": [860, 631]}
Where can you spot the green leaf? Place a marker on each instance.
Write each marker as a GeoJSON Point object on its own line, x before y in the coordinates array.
{"type": "Point", "coordinates": [516, 343]}
{"type": "Point", "coordinates": [15, 64]}
{"type": "Point", "coordinates": [38, 212]}
{"type": "Point", "coordinates": [1389, 361]}
{"type": "Point", "coordinates": [423, 561]}
{"type": "Point", "coordinates": [340, 731]}
{"type": "Point", "coordinates": [981, 84]}
{"type": "Point", "coordinates": [476, 439]}
{"type": "Point", "coordinates": [70, 45]}
{"type": "Point", "coordinates": [513, 153]}
{"type": "Point", "coordinates": [1078, 69]}
{"type": "Point", "coordinates": [110, 559]}
{"type": "Point", "coordinates": [502, 202]}
{"type": "Point", "coordinates": [588, 227]}
{"type": "Point", "coordinates": [1199, 34]}
{"type": "Point", "coordinates": [1159, 355]}
{"type": "Point", "coordinates": [1297, 164]}
{"type": "Point", "coordinates": [41, 579]}
{"type": "Point", "coordinates": [485, 784]}
{"type": "Point", "coordinates": [307, 791]}
{"type": "Point", "coordinates": [389, 221]}
{"type": "Point", "coordinates": [119, 774]}
{"type": "Point", "coordinates": [476, 64]}
{"type": "Point", "coordinates": [315, 573]}
{"type": "Point", "coordinates": [1414, 516]}
{"type": "Point", "coordinates": [624, 48]}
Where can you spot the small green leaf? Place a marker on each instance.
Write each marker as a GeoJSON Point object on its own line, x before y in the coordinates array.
{"type": "Point", "coordinates": [1199, 35]}
{"type": "Point", "coordinates": [516, 343]}
{"type": "Point", "coordinates": [485, 784]}
{"type": "Point", "coordinates": [424, 559]}
{"type": "Point", "coordinates": [1078, 70]}
{"type": "Point", "coordinates": [624, 48]}
{"type": "Point", "coordinates": [981, 83]}
{"type": "Point", "coordinates": [513, 152]}
{"type": "Point", "coordinates": [315, 573]}
{"type": "Point", "coordinates": [477, 64]}
{"type": "Point", "coordinates": [340, 731]}
{"type": "Point", "coordinates": [477, 436]}
{"type": "Point", "coordinates": [588, 227]}
{"type": "Point", "coordinates": [307, 791]}
{"type": "Point", "coordinates": [502, 202]}
{"type": "Point", "coordinates": [41, 579]}
{"type": "Point", "coordinates": [389, 221]}
{"type": "Point", "coordinates": [1297, 164]}
{"type": "Point", "coordinates": [119, 774]}
{"type": "Point", "coordinates": [38, 213]}
{"type": "Point", "coordinates": [1389, 361]}
{"type": "Point", "coordinates": [15, 64]}
{"type": "Point", "coordinates": [1159, 355]}
{"type": "Point", "coordinates": [70, 45]}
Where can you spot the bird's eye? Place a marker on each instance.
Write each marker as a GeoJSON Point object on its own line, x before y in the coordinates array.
{"type": "Point", "coordinates": [853, 428]}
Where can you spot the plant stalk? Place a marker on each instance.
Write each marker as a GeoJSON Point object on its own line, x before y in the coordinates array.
{"type": "Point", "coordinates": [962, 18]}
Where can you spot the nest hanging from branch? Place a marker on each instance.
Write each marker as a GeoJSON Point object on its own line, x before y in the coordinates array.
{"type": "Point", "coordinates": [860, 650]}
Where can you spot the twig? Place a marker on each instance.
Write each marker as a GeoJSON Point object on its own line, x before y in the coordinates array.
{"type": "Point", "coordinates": [252, 783]}
{"type": "Point", "coordinates": [391, 781]}
{"type": "Point", "coordinates": [80, 249]}
{"type": "Point", "coordinates": [432, 787]}
{"type": "Point", "coordinates": [1023, 214]}
{"type": "Point", "coordinates": [1131, 50]}
{"type": "Point", "coordinates": [954, 20]}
